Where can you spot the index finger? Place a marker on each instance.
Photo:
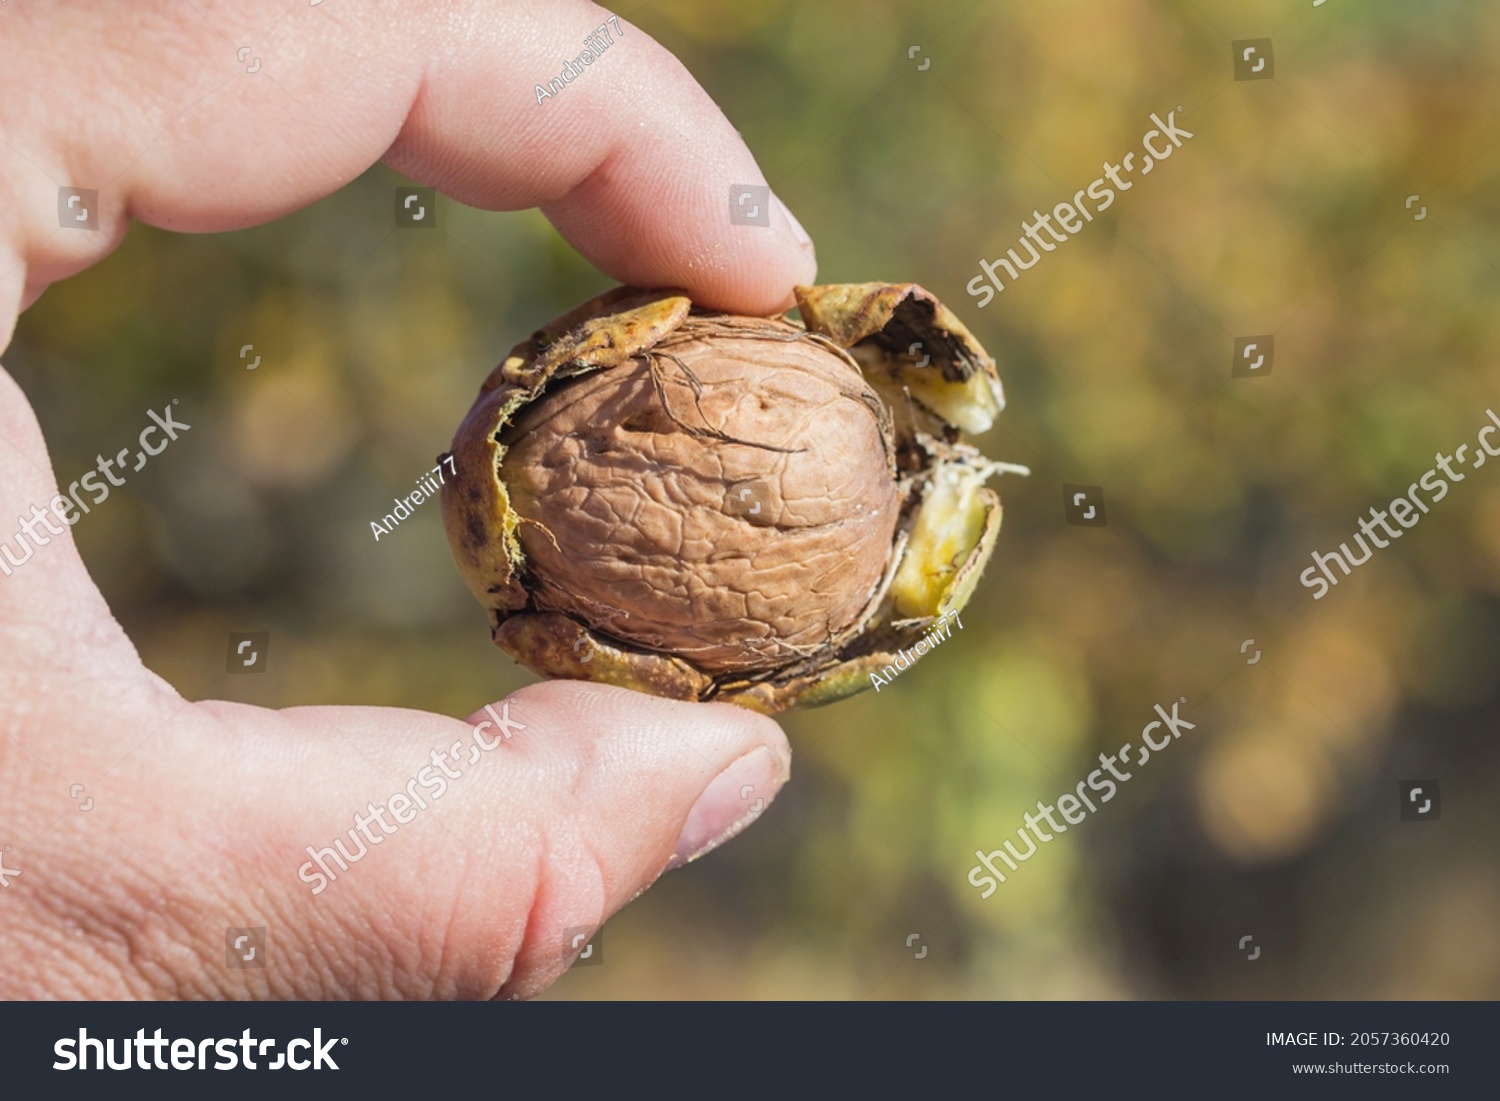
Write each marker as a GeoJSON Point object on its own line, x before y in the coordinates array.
{"type": "Point", "coordinates": [629, 157]}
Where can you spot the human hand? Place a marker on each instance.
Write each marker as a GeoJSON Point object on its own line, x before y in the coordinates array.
{"type": "Point", "coordinates": [204, 812]}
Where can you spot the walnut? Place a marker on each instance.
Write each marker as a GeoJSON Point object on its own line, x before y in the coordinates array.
{"type": "Point", "coordinates": [716, 507]}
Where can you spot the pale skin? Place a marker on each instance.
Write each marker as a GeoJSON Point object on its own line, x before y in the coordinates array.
{"type": "Point", "coordinates": [203, 809]}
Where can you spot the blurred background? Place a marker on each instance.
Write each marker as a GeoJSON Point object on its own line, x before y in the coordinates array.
{"type": "Point", "coordinates": [1277, 818]}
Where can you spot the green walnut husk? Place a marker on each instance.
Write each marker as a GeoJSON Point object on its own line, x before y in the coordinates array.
{"type": "Point", "coordinates": [705, 506]}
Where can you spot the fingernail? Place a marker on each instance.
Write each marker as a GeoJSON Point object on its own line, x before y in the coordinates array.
{"type": "Point", "coordinates": [797, 231]}
{"type": "Point", "coordinates": [731, 802]}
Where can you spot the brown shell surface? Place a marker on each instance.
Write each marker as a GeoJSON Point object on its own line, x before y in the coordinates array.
{"type": "Point", "coordinates": [727, 499]}
{"type": "Point", "coordinates": [481, 525]}
{"type": "Point", "coordinates": [710, 507]}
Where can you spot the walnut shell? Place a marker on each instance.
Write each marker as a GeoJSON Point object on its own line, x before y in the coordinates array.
{"type": "Point", "coordinates": [646, 517]}
{"type": "Point", "coordinates": [707, 506]}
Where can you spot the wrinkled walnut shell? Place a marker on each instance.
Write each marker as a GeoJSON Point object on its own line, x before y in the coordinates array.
{"type": "Point", "coordinates": [706, 506]}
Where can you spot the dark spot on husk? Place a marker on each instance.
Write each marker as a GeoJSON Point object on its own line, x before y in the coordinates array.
{"type": "Point", "coordinates": [479, 535]}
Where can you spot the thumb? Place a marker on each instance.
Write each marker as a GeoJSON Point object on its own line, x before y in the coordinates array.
{"type": "Point", "coordinates": [388, 853]}
{"type": "Point", "coordinates": [495, 850]}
